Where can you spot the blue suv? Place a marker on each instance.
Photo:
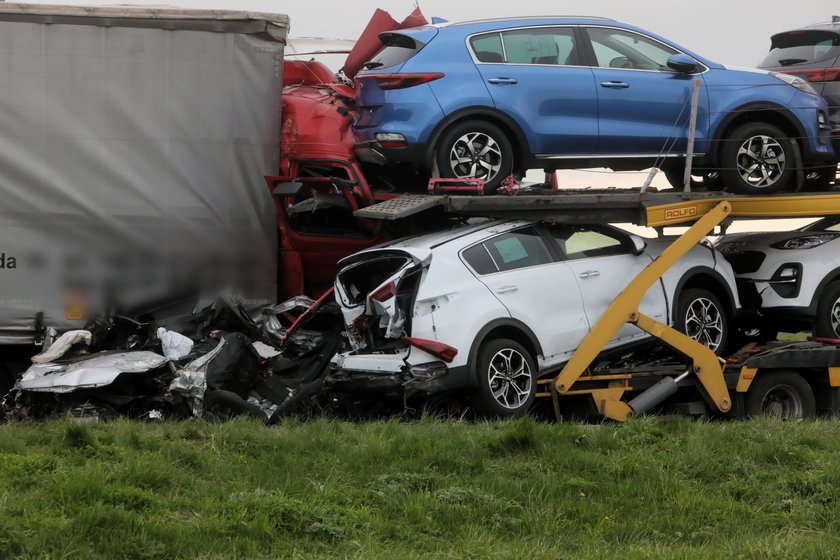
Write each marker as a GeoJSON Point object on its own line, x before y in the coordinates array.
{"type": "Point", "coordinates": [490, 98]}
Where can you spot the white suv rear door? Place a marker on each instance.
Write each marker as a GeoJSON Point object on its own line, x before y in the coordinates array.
{"type": "Point", "coordinates": [602, 262]}
{"type": "Point", "coordinates": [536, 288]}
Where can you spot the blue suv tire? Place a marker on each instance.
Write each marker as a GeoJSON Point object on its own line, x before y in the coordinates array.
{"type": "Point", "coordinates": [757, 158]}
{"type": "Point", "coordinates": [475, 149]}
{"type": "Point", "coordinates": [706, 179]}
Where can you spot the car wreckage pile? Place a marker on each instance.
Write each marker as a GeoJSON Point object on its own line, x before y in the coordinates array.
{"type": "Point", "coordinates": [215, 363]}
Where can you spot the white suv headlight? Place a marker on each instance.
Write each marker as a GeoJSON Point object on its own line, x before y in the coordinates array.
{"type": "Point", "coordinates": [797, 82]}
{"type": "Point", "coordinates": [806, 241]}
{"type": "Point", "coordinates": [728, 247]}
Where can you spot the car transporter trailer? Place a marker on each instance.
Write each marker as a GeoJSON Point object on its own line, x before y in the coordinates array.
{"type": "Point", "coordinates": [787, 379]}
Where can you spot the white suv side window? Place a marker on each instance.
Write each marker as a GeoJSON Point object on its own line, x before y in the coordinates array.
{"type": "Point", "coordinates": [580, 242]}
{"type": "Point", "coordinates": [615, 48]}
{"type": "Point", "coordinates": [508, 251]}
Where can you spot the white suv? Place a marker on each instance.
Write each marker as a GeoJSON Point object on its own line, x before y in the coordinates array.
{"type": "Point", "coordinates": [490, 307]}
{"type": "Point", "coordinates": [789, 280]}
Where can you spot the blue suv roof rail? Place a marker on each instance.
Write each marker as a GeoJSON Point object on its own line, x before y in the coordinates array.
{"type": "Point", "coordinates": [519, 18]}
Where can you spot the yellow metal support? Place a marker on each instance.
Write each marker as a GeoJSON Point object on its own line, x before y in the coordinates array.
{"type": "Point", "coordinates": [707, 367]}
{"type": "Point", "coordinates": [609, 404]}
{"type": "Point", "coordinates": [745, 379]}
{"type": "Point", "coordinates": [793, 206]}
{"type": "Point", "coordinates": [834, 376]}
{"type": "Point", "coordinates": [625, 308]}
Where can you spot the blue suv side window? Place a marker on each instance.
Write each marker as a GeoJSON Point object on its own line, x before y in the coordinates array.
{"type": "Point", "coordinates": [615, 48]}
{"type": "Point", "coordinates": [552, 45]}
{"type": "Point", "coordinates": [488, 48]}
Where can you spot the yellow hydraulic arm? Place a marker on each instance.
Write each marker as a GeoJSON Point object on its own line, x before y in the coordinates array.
{"type": "Point", "coordinates": [625, 308]}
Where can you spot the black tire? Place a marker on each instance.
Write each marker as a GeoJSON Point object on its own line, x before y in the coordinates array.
{"type": "Point", "coordinates": [706, 180]}
{"type": "Point", "coordinates": [701, 316]}
{"type": "Point", "coordinates": [819, 179]}
{"type": "Point", "coordinates": [783, 394]}
{"type": "Point", "coordinates": [827, 321]}
{"type": "Point", "coordinates": [767, 151]}
{"type": "Point", "coordinates": [759, 335]}
{"type": "Point", "coordinates": [223, 405]}
{"type": "Point", "coordinates": [7, 381]}
{"type": "Point", "coordinates": [467, 140]}
{"type": "Point", "coordinates": [507, 379]}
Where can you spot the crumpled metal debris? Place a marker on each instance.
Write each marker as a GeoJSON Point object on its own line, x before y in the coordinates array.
{"type": "Point", "coordinates": [191, 381]}
{"type": "Point", "coordinates": [61, 345]}
{"type": "Point", "coordinates": [96, 371]}
{"type": "Point", "coordinates": [215, 362]}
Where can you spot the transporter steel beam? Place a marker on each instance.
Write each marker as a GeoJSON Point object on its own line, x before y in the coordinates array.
{"type": "Point", "coordinates": [625, 308]}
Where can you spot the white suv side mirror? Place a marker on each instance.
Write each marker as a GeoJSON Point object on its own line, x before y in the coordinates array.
{"type": "Point", "coordinates": [639, 244]}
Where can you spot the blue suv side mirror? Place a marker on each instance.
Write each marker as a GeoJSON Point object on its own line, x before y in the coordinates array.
{"type": "Point", "coordinates": [683, 64]}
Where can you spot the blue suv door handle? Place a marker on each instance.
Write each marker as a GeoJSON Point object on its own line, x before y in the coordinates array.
{"type": "Point", "coordinates": [502, 81]}
{"type": "Point", "coordinates": [616, 85]}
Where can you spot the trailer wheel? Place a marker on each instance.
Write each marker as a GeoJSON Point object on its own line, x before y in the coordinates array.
{"type": "Point", "coordinates": [781, 394]}
{"type": "Point", "coordinates": [827, 321]}
{"type": "Point", "coordinates": [507, 380]}
{"type": "Point", "coordinates": [701, 316]}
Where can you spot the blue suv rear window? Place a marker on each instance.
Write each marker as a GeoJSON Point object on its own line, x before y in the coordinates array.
{"type": "Point", "coordinates": [398, 48]}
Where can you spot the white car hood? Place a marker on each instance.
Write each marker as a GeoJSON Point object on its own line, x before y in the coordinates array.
{"type": "Point", "coordinates": [98, 371]}
{"type": "Point", "coordinates": [761, 239]}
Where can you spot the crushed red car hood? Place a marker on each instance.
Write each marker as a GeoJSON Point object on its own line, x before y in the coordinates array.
{"type": "Point", "coordinates": [369, 43]}
{"type": "Point", "coordinates": [317, 108]}
{"type": "Point", "coordinates": [312, 124]}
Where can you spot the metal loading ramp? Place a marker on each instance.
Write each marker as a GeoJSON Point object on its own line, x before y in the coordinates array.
{"type": "Point", "coordinates": [701, 212]}
{"type": "Point", "coordinates": [591, 206]}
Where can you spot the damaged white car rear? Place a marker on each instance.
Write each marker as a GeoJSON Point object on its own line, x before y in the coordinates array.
{"type": "Point", "coordinates": [487, 309]}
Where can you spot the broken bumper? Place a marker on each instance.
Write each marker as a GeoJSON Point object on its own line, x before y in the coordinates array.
{"type": "Point", "coordinates": [374, 152]}
{"type": "Point", "coordinates": [368, 375]}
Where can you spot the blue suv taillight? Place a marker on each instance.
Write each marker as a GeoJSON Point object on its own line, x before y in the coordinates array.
{"type": "Point", "coordinates": [402, 81]}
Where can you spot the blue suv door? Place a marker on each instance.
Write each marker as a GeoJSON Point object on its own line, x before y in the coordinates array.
{"type": "Point", "coordinates": [644, 106]}
{"type": "Point", "coordinates": [537, 76]}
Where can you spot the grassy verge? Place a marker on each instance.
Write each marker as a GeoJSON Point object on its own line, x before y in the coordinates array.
{"type": "Point", "coordinates": [654, 488]}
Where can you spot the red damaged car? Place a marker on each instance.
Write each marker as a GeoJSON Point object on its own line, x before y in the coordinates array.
{"type": "Point", "coordinates": [320, 181]}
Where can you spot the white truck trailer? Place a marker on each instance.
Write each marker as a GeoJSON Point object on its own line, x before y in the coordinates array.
{"type": "Point", "coordinates": [133, 146]}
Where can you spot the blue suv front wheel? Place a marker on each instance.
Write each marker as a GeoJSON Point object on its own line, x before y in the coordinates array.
{"type": "Point", "coordinates": [475, 149]}
{"type": "Point", "coordinates": [757, 158]}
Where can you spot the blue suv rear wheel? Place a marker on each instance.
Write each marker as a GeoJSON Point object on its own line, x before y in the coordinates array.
{"type": "Point", "coordinates": [475, 149]}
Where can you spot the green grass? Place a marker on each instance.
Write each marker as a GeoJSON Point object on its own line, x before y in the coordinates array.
{"type": "Point", "coordinates": [653, 488]}
{"type": "Point", "coordinates": [794, 336]}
